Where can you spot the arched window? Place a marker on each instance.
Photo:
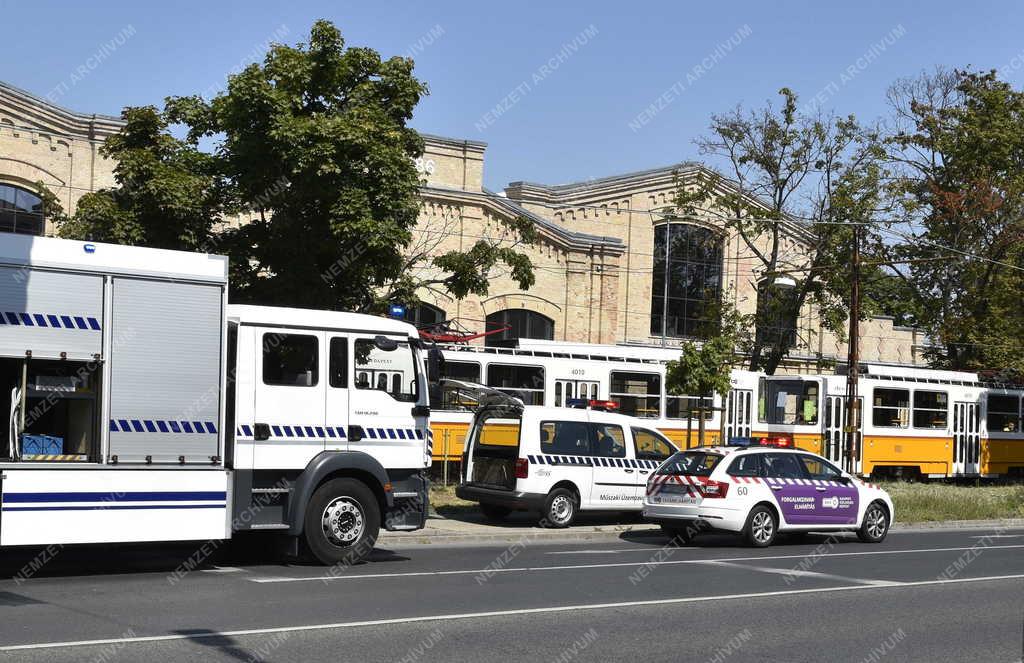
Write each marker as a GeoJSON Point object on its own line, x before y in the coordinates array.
{"type": "Point", "coordinates": [776, 312]}
{"type": "Point", "coordinates": [687, 283]}
{"type": "Point", "coordinates": [522, 324]}
{"type": "Point", "coordinates": [21, 211]}
{"type": "Point", "coordinates": [424, 314]}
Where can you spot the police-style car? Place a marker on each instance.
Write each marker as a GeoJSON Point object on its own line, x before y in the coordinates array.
{"type": "Point", "coordinates": [759, 488]}
{"type": "Point", "coordinates": [556, 461]}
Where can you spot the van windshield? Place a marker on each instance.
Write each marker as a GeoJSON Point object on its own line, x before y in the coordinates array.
{"type": "Point", "coordinates": [694, 463]}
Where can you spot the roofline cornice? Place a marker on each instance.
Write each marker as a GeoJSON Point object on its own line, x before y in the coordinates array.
{"type": "Point", "coordinates": [569, 239]}
{"type": "Point", "coordinates": [53, 118]}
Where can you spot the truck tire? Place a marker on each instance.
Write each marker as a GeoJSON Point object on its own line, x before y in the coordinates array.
{"type": "Point", "coordinates": [342, 522]}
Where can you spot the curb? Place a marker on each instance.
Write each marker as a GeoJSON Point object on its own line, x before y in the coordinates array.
{"type": "Point", "coordinates": [529, 534]}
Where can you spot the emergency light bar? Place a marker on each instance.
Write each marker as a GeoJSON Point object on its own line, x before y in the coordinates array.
{"type": "Point", "coordinates": [779, 441]}
{"type": "Point", "coordinates": [583, 403]}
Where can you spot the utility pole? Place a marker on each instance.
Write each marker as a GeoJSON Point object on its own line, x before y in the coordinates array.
{"type": "Point", "coordinates": [852, 429]}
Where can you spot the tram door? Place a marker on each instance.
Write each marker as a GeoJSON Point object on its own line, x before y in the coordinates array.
{"type": "Point", "coordinates": [835, 445]}
{"type": "Point", "coordinates": [738, 413]}
{"type": "Point", "coordinates": [566, 390]}
{"type": "Point", "coordinates": [966, 438]}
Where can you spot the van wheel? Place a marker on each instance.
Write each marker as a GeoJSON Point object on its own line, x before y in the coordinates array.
{"type": "Point", "coordinates": [875, 525]}
{"type": "Point", "coordinates": [494, 513]}
{"type": "Point", "coordinates": [761, 527]}
{"type": "Point", "coordinates": [342, 522]}
{"type": "Point", "coordinates": [560, 509]}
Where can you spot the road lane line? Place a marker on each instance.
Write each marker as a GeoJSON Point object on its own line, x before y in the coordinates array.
{"type": "Point", "coordinates": [649, 562]}
{"type": "Point", "coordinates": [805, 574]}
{"type": "Point", "coordinates": [496, 613]}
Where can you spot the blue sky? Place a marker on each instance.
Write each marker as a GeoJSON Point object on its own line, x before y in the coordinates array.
{"type": "Point", "coordinates": [583, 116]}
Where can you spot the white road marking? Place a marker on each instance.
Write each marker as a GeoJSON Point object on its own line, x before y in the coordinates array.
{"type": "Point", "coordinates": [804, 574]}
{"type": "Point", "coordinates": [496, 613]}
{"type": "Point", "coordinates": [224, 569]}
{"type": "Point", "coordinates": [998, 536]}
{"type": "Point", "coordinates": [597, 552]}
{"type": "Point", "coordinates": [649, 562]}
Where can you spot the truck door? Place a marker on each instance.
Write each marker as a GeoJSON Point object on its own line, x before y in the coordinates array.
{"type": "Point", "coordinates": [291, 384]}
{"type": "Point", "coordinates": [386, 390]}
{"type": "Point", "coordinates": [339, 381]}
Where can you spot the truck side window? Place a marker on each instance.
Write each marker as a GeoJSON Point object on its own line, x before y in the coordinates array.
{"type": "Point", "coordinates": [339, 362]}
{"type": "Point", "coordinates": [290, 360]}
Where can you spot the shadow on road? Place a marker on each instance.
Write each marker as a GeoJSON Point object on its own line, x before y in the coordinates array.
{"type": "Point", "coordinates": [174, 559]}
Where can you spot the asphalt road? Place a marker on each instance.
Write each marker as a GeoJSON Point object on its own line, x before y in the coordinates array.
{"type": "Point", "coordinates": [919, 596]}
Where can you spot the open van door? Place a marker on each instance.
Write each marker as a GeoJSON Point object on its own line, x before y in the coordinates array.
{"type": "Point", "coordinates": [492, 444]}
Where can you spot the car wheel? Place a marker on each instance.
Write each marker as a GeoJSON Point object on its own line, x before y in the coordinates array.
{"type": "Point", "coordinates": [495, 513]}
{"type": "Point", "coordinates": [560, 509]}
{"type": "Point", "coordinates": [342, 522]}
{"type": "Point", "coordinates": [875, 525]}
{"type": "Point", "coordinates": [762, 525]}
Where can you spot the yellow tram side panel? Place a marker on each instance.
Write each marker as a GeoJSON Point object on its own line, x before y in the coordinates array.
{"type": "Point", "coordinates": [931, 455]}
{"type": "Point", "coordinates": [450, 438]}
{"type": "Point", "coordinates": [677, 436]}
{"type": "Point", "coordinates": [998, 456]}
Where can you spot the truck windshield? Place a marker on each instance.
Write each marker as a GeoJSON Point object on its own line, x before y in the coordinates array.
{"type": "Point", "coordinates": [693, 463]}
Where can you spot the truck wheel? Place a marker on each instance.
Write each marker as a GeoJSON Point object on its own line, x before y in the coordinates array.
{"type": "Point", "coordinates": [494, 513]}
{"type": "Point", "coordinates": [761, 527]}
{"type": "Point", "coordinates": [560, 509]}
{"type": "Point", "coordinates": [342, 522]}
{"type": "Point", "coordinates": [875, 525]}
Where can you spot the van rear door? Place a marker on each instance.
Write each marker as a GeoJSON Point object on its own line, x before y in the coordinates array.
{"type": "Point", "coordinates": [492, 447]}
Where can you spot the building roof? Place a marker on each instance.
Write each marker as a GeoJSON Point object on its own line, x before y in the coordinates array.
{"type": "Point", "coordinates": [24, 110]}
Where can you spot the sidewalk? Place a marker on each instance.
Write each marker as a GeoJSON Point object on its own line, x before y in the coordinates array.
{"type": "Point", "coordinates": [471, 528]}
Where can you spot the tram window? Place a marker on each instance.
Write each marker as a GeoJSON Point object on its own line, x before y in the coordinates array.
{"type": "Point", "coordinates": [682, 407]}
{"type": "Point", "coordinates": [523, 382]}
{"type": "Point", "coordinates": [1004, 414]}
{"type": "Point", "coordinates": [451, 397]}
{"type": "Point", "coordinates": [931, 409]}
{"type": "Point", "coordinates": [891, 408]}
{"type": "Point", "coordinates": [788, 402]}
{"type": "Point", "coordinates": [638, 394]}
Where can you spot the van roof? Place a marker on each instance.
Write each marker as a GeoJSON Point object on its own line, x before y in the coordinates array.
{"type": "Point", "coordinates": [543, 411]}
{"type": "Point", "coordinates": [305, 317]}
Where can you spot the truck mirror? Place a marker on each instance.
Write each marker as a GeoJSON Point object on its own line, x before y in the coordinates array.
{"type": "Point", "coordinates": [435, 365]}
{"type": "Point", "coordinates": [385, 344]}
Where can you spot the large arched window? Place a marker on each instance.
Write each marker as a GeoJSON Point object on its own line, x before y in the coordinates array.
{"type": "Point", "coordinates": [21, 211]}
{"type": "Point", "coordinates": [522, 323]}
{"type": "Point", "coordinates": [687, 283]}
{"type": "Point", "coordinates": [424, 314]}
{"type": "Point", "coordinates": [777, 312]}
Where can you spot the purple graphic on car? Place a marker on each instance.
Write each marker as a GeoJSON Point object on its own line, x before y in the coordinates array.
{"type": "Point", "coordinates": [813, 502]}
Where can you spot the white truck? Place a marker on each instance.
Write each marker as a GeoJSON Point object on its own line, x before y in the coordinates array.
{"type": "Point", "coordinates": [143, 407]}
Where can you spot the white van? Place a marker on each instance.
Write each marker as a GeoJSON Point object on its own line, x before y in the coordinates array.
{"type": "Point", "coordinates": [556, 460]}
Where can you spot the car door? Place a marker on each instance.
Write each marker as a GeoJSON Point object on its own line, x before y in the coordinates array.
{"type": "Point", "coordinates": [615, 477]}
{"type": "Point", "coordinates": [792, 489]}
{"type": "Point", "coordinates": [651, 450]}
{"type": "Point", "coordinates": [837, 496]}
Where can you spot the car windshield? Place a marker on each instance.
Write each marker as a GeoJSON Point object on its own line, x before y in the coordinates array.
{"type": "Point", "coordinates": [698, 463]}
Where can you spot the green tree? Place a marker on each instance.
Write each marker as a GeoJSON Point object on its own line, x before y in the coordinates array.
{"type": "Point", "coordinates": [799, 181]}
{"type": "Point", "coordinates": [168, 192]}
{"type": "Point", "coordinates": [704, 368]}
{"type": "Point", "coordinates": [957, 140]}
{"type": "Point", "coordinates": [314, 153]}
